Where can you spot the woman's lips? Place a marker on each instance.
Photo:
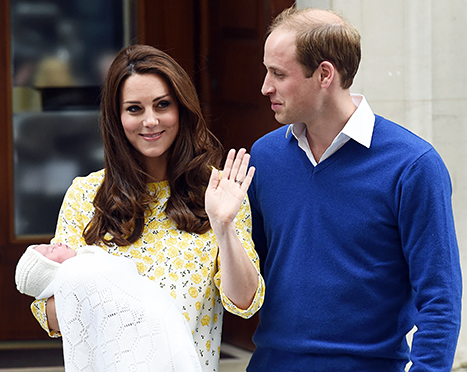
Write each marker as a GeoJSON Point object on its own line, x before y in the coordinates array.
{"type": "Point", "coordinates": [152, 136]}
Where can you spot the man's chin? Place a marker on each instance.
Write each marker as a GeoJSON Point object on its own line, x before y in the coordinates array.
{"type": "Point", "coordinates": [281, 120]}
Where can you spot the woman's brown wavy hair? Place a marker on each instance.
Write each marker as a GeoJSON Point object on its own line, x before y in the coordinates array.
{"type": "Point", "coordinates": [123, 198]}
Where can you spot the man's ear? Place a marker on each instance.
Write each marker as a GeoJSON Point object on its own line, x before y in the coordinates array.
{"type": "Point", "coordinates": [327, 73]}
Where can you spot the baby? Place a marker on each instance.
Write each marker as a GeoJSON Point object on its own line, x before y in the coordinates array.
{"type": "Point", "coordinates": [110, 317]}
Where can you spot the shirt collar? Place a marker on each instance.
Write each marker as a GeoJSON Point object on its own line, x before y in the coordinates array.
{"type": "Point", "coordinates": [359, 127]}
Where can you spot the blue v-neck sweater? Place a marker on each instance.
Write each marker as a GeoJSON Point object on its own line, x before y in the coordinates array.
{"type": "Point", "coordinates": [355, 251]}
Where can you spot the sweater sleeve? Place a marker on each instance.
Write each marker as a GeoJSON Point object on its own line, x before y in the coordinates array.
{"type": "Point", "coordinates": [430, 247]}
{"type": "Point", "coordinates": [258, 234]}
{"type": "Point", "coordinates": [243, 225]}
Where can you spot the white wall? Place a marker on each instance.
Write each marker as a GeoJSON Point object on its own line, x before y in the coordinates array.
{"type": "Point", "coordinates": [414, 72]}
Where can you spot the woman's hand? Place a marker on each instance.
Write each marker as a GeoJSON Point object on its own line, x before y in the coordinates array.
{"type": "Point", "coordinates": [52, 315]}
{"type": "Point", "coordinates": [224, 197]}
{"type": "Point", "coordinates": [226, 192]}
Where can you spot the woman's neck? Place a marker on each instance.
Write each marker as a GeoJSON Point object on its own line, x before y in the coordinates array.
{"type": "Point", "coordinates": [156, 170]}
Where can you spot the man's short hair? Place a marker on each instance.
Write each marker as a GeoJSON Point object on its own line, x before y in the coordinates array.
{"type": "Point", "coordinates": [322, 35]}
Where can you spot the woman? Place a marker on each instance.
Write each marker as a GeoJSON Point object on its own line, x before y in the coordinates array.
{"type": "Point", "coordinates": [151, 204]}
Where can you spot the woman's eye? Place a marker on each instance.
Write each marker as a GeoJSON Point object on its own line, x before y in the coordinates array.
{"type": "Point", "coordinates": [133, 109]}
{"type": "Point", "coordinates": [163, 104]}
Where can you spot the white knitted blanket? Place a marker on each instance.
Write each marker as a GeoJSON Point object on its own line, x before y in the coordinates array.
{"type": "Point", "coordinates": [113, 319]}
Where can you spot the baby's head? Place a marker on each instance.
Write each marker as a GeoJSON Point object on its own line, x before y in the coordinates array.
{"type": "Point", "coordinates": [57, 252]}
{"type": "Point", "coordinates": [38, 265]}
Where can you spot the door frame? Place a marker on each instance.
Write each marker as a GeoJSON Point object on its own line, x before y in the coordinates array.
{"type": "Point", "coordinates": [187, 45]}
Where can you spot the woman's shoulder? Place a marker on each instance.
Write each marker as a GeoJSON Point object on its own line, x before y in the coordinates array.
{"type": "Point", "coordinates": [87, 185]}
{"type": "Point", "coordinates": [94, 178]}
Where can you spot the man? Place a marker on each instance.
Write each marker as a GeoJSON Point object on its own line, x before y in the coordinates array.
{"type": "Point", "coordinates": [352, 219]}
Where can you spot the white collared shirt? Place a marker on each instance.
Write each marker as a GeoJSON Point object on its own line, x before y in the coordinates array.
{"type": "Point", "coordinates": [359, 128]}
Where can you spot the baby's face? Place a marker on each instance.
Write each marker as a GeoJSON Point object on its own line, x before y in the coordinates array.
{"type": "Point", "coordinates": [57, 252]}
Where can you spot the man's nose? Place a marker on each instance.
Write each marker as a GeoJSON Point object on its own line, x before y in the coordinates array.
{"type": "Point", "coordinates": [267, 88]}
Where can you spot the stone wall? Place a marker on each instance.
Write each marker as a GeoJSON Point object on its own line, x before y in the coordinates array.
{"type": "Point", "coordinates": [414, 72]}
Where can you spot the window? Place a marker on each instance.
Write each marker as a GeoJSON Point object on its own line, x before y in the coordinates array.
{"type": "Point", "coordinates": [60, 54]}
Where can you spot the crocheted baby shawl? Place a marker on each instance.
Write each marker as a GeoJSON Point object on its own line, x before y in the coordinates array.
{"type": "Point", "coordinates": [113, 319]}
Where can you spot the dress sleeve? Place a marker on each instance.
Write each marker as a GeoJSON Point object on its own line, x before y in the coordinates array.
{"type": "Point", "coordinates": [38, 310]}
{"type": "Point", "coordinates": [76, 211]}
{"type": "Point", "coordinates": [74, 215]}
{"type": "Point", "coordinates": [243, 225]}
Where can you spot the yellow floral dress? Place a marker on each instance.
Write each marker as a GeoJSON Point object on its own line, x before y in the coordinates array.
{"type": "Point", "coordinates": [184, 264]}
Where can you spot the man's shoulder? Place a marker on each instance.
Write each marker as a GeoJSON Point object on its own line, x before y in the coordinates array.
{"type": "Point", "coordinates": [399, 146]}
{"type": "Point", "coordinates": [387, 131]}
{"type": "Point", "coordinates": [274, 137]}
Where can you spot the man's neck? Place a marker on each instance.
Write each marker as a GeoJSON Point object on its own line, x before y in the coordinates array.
{"type": "Point", "coordinates": [321, 132]}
